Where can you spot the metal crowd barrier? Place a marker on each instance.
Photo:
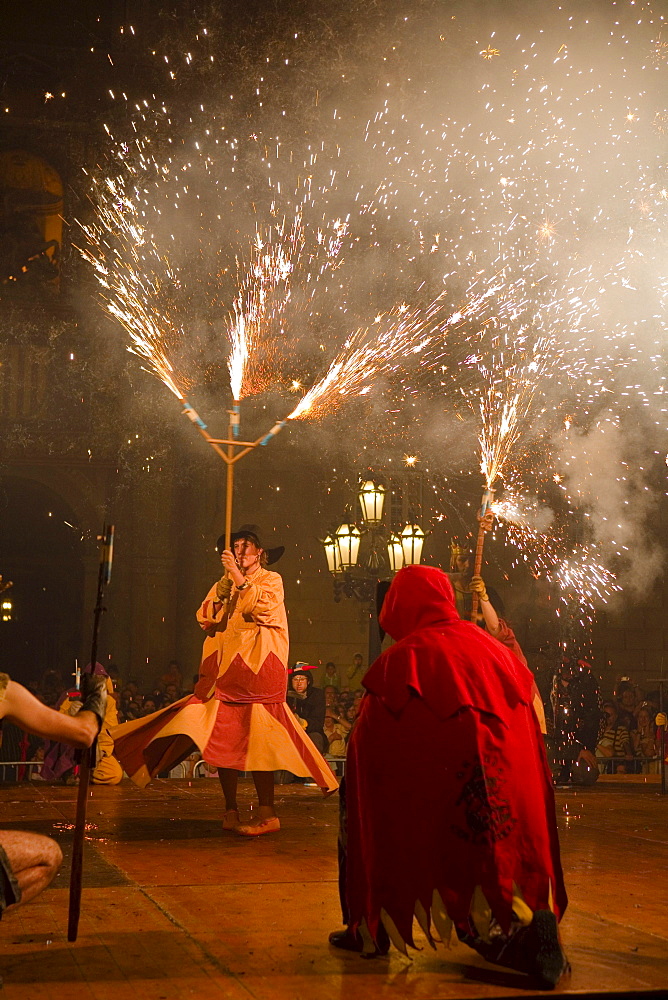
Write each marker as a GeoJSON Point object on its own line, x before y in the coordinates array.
{"type": "Point", "coordinates": [4, 764]}
{"type": "Point", "coordinates": [634, 765]}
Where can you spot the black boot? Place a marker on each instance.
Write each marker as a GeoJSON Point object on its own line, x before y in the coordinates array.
{"type": "Point", "coordinates": [348, 941]}
{"type": "Point", "coordinates": [534, 950]}
{"type": "Point", "coordinates": [547, 962]}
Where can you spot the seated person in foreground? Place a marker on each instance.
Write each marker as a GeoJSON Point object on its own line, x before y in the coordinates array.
{"type": "Point", "coordinates": [29, 861]}
{"type": "Point", "coordinates": [309, 703]}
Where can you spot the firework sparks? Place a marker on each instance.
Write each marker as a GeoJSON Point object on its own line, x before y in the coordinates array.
{"type": "Point", "coordinates": [135, 280]}
{"type": "Point", "coordinates": [150, 296]}
{"type": "Point", "coordinates": [264, 294]}
{"type": "Point", "coordinates": [582, 579]}
{"type": "Point", "coordinates": [585, 581]}
{"type": "Point", "coordinates": [379, 351]}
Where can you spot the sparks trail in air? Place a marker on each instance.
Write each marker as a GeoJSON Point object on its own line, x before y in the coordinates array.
{"type": "Point", "coordinates": [135, 280]}
{"type": "Point", "coordinates": [551, 167]}
{"type": "Point", "coordinates": [152, 297]}
{"type": "Point", "coordinates": [254, 324]}
{"type": "Point", "coordinates": [511, 363]}
{"type": "Point", "coordinates": [383, 349]}
{"type": "Point", "coordinates": [578, 573]}
{"type": "Point", "coordinates": [505, 403]}
{"type": "Point", "coordinates": [585, 581]}
{"type": "Point", "coordinates": [539, 160]}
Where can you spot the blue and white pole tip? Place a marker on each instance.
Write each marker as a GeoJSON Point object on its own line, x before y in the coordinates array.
{"type": "Point", "coordinates": [193, 416]}
{"type": "Point", "coordinates": [273, 432]}
{"type": "Point", "coordinates": [487, 501]}
{"type": "Point", "coordinates": [235, 420]}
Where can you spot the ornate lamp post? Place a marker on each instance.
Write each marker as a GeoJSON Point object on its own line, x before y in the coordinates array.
{"type": "Point", "coordinates": [360, 557]}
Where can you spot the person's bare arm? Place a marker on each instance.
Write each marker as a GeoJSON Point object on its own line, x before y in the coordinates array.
{"type": "Point", "coordinates": [22, 708]}
{"type": "Point", "coordinates": [489, 614]}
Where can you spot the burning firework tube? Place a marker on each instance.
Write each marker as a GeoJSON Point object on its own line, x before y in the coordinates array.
{"type": "Point", "coordinates": [234, 418]}
{"type": "Point", "coordinates": [485, 508]}
{"type": "Point", "coordinates": [487, 501]}
{"type": "Point", "coordinates": [273, 432]}
{"type": "Point", "coordinates": [193, 415]}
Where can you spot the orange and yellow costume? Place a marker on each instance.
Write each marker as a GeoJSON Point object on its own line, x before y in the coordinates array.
{"type": "Point", "coordinates": [237, 716]}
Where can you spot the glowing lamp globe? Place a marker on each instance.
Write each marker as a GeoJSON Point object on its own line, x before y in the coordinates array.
{"type": "Point", "coordinates": [412, 540]}
{"type": "Point", "coordinates": [395, 553]}
{"type": "Point", "coordinates": [372, 499]}
{"type": "Point", "coordinates": [348, 544]}
{"type": "Point", "coordinates": [332, 555]}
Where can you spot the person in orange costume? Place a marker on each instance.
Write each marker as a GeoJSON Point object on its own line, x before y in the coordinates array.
{"type": "Point", "coordinates": [237, 715]}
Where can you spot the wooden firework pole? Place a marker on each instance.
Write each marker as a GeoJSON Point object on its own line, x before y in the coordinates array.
{"type": "Point", "coordinates": [485, 507]}
{"type": "Point", "coordinates": [233, 451]}
{"type": "Point", "coordinates": [88, 756]}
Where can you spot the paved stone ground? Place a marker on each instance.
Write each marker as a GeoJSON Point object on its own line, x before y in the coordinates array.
{"type": "Point", "coordinates": [173, 908]}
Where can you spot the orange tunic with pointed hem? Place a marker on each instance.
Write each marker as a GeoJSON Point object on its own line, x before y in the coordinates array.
{"type": "Point", "coordinates": [237, 715]}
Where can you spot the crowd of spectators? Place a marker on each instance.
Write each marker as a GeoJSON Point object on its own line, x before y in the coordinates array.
{"type": "Point", "coordinates": [629, 741]}
{"type": "Point", "coordinates": [53, 687]}
{"type": "Point", "coordinates": [326, 700]}
{"type": "Point", "coordinates": [588, 737]}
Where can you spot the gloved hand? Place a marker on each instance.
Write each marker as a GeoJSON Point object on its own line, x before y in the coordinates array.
{"type": "Point", "coordinates": [661, 719]}
{"type": "Point", "coordinates": [94, 690]}
{"type": "Point", "coordinates": [224, 588]}
{"type": "Point", "coordinates": [478, 587]}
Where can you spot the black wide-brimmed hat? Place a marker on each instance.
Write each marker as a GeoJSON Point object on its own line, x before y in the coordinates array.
{"type": "Point", "coordinates": [253, 533]}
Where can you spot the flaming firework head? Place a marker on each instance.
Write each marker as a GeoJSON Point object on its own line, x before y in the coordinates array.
{"type": "Point", "coordinates": [238, 357]}
{"type": "Point", "coordinates": [498, 434]}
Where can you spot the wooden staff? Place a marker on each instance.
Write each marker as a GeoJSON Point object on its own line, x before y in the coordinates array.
{"type": "Point", "coordinates": [485, 507]}
{"type": "Point", "coordinates": [229, 455]}
{"type": "Point", "coordinates": [88, 757]}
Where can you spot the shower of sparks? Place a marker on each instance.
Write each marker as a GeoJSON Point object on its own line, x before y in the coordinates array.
{"type": "Point", "coordinates": [149, 295]}
{"type": "Point", "coordinates": [534, 184]}
{"type": "Point", "coordinates": [270, 269]}
{"type": "Point", "coordinates": [585, 581]}
{"type": "Point", "coordinates": [381, 350]}
{"type": "Point", "coordinates": [264, 293]}
{"type": "Point", "coordinates": [582, 579]}
{"type": "Point", "coordinates": [515, 367]}
{"type": "Point", "coordinates": [368, 354]}
{"type": "Point", "coordinates": [135, 280]}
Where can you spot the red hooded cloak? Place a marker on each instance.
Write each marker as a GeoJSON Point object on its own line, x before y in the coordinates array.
{"type": "Point", "coordinates": [448, 787]}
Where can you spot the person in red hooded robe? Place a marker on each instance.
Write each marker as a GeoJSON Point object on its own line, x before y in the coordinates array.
{"type": "Point", "coordinates": [449, 812]}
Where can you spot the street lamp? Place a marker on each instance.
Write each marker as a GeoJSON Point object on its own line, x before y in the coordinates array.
{"type": "Point", "coordinates": [395, 553]}
{"type": "Point", "coordinates": [332, 554]}
{"type": "Point", "coordinates": [360, 557]}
